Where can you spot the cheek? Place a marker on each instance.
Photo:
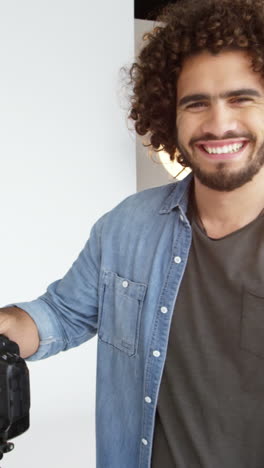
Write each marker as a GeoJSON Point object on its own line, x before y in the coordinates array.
{"type": "Point", "coordinates": [254, 125]}
{"type": "Point", "coordinates": [182, 126]}
{"type": "Point", "coordinates": [253, 119]}
{"type": "Point", "coordinates": [187, 127]}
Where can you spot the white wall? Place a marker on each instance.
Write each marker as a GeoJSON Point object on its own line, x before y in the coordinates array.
{"type": "Point", "coordinates": [66, 157]}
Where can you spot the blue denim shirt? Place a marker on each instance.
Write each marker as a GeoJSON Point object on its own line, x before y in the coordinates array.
{"type": "Point", "coordinates": [123, 286]}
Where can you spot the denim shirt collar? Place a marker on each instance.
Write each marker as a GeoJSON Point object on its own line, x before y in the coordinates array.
{"type": "Point", "coordinates": [178, 197]}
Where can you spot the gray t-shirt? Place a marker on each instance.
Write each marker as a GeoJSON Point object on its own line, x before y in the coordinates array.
{"type": "Point", "coordinates": [210, 410]}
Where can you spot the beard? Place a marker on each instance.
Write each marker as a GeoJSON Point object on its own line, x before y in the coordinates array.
{"type": "Point", "coordinates": [222, 179]}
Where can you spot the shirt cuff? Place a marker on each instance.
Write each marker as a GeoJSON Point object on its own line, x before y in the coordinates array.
{"type": "Point", "coordinates": [51, 341]}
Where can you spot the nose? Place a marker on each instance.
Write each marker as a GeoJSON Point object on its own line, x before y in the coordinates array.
{"type": "Point", "coordinates": [219, 120]}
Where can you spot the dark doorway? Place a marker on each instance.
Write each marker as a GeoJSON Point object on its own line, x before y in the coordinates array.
{"type": "Point", "coordinates": [148, 9]}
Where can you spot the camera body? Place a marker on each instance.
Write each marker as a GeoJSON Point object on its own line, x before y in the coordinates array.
{"type": "Point", "coordinates": [14, 394]}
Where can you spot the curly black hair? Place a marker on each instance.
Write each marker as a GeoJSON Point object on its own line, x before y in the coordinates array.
{"type": "Point", "coordinates": [184, 29]}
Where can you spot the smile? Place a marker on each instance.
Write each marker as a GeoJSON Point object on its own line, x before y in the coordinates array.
{"type": "Point", "coordinates": [223, 150]}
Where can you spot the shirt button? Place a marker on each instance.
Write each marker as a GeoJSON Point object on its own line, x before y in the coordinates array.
{"type": "Point", "coordinates": [148, 399]}
{"type": "Point", "coordinates": [177, 259]}
{"type": "Point", "coordinates": [164, 310]}
{"type": "Point", "coordinates": [181, 218]}
{"type": "Point", "coordinates": [156, 353]}
{"type": "Point", "coordinates": [144, 441]}
{"type": "Point", "coordinates": [125, 284]}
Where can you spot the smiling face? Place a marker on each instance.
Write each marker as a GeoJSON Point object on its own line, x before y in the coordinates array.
{"type": "Point", "coordinates": [220, 119]}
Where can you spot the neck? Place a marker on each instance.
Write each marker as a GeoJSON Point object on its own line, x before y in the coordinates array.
{"type": "Point", "coordinates": [221, 213]}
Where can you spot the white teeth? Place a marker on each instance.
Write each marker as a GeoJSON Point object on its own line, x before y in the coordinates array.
{"type": "Point", "coordinates": [223, 149]}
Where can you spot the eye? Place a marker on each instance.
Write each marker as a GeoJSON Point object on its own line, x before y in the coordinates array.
{"type": "Point", "coordinates": [196, 105]}
{"type": "Point", "coordinates": [240, 100]}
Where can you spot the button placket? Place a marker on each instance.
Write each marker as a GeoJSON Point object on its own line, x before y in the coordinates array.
{"type": "Point", "coordinates": [177, 262]}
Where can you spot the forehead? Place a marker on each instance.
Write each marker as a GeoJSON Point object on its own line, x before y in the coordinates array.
{"type": "Point", "coordinates": [213, 74]}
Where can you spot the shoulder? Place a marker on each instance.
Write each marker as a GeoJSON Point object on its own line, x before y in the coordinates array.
{"type": "Point", "coordinates": [136, 207]}
{"type": "Point", "coordinates": [141, 207]}
{"type": "Point", "coordinates": [149, 199]}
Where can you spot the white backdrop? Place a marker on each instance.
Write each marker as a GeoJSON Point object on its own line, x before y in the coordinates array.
{"type": "Point", "coordinates": [66, 158]}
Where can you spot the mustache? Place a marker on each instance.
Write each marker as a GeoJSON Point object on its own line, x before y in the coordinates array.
{"type": "Point", "coordinates": [225, 136]}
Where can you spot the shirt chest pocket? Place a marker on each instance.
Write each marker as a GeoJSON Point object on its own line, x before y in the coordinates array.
{"type": "Point", "coordinates": [120, 312]}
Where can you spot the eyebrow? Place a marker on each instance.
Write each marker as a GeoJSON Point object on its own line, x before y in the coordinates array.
{"type": "Point", "coordinates": [225, 95]}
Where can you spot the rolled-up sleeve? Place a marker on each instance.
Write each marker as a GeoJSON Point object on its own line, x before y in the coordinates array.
{"type": "Point", "coordinates": [67, 314]}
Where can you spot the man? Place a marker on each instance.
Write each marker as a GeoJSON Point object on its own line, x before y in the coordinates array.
{"type": "Point", "coordinates": [172, 278]}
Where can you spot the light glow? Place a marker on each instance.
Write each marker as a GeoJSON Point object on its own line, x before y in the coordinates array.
{"type": "Point", "coordinates": [174, 168]}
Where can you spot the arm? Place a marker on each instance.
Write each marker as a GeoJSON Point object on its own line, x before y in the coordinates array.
{"type": "Point", "coordinates": [63, 317]}
{"type": "Point", "coordinates": [66, 315]}
{"type": "Point", "coordinates": [18, 326]}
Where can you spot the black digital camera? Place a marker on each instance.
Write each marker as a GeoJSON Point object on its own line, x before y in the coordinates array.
{"type": "Point", "coordinates": [14, 394]}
